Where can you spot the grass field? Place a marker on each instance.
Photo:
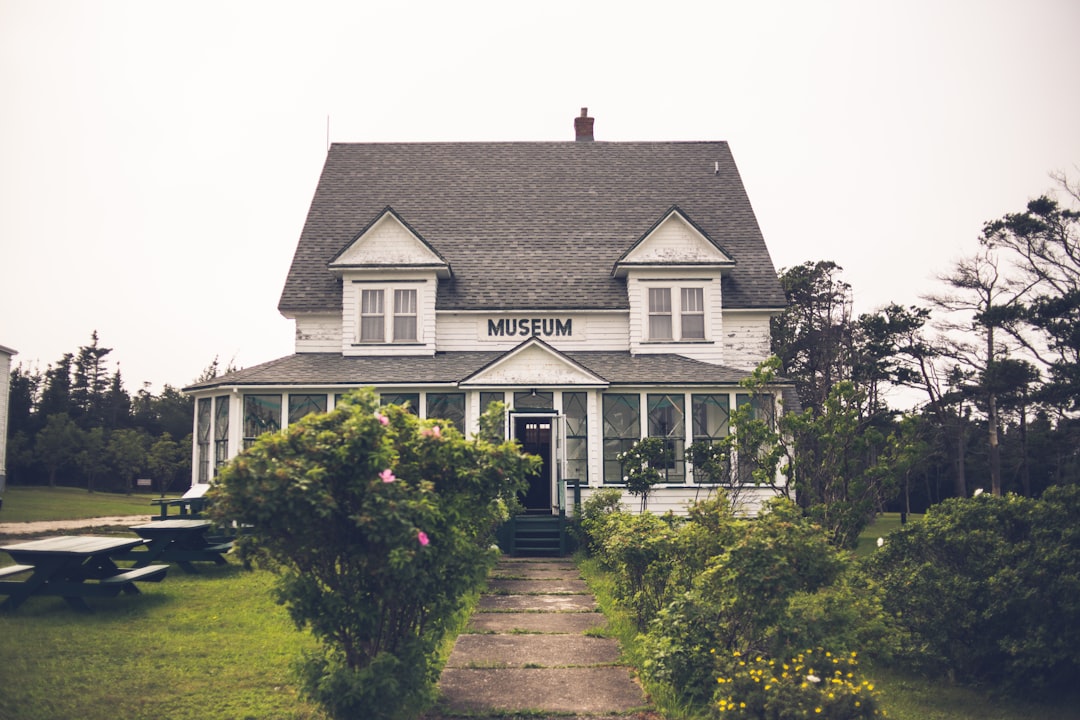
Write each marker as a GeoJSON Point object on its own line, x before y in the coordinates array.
{"type": "Point", "coordinates": [32, 504]}
{"type": "Point", "coordinates": [212, 645]}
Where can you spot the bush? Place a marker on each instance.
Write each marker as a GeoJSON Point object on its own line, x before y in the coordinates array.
{"type": "Point", "coordinates": [989, 589]}
{"type": "Point", "coordinates": [593, 517]}
{"type": "Point", "coordinates": [379, 524]}
{"type": "Point", "coordinates": [811, 684]}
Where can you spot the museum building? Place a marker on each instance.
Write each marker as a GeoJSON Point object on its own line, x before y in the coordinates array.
{"type": "Point", "coordinates": [604, 291]}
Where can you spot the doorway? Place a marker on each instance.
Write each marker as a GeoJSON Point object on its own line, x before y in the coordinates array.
{"type": "Point", "coordinates": [534, 432]}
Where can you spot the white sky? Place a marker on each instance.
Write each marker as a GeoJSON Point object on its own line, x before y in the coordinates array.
{"type": "Point", "coordinates": [157, 159]}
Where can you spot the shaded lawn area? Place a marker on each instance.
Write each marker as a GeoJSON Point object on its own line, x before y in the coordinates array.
{"type": "Point", "coordinates": [212, 645]}
{"type": "Point", "coordinates": [883, 524]}
{"type": "Point", "coordinates": [34, 504]}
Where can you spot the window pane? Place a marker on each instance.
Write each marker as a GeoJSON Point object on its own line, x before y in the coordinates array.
{"type": "Point", "coordinates": [262, 414]}
{"type": "Point", "coordinates": [203, 433]}
{"type": "Point", "coordinates": [667, 420]}
{"type": "Point", "coordinates": [447, 406]}
{"type": "Point", "coordinates": [301, 405]}
{"type": "Point", "coordinates": [659, 300]}
{"type": "Point", "coordinates": [660, 314]}
{"type": "Point", "coordinates": [693, 327]}
{"type": "Point", "coordinates": [660, 327]}
{"type": "Point", "coordinates": [622, 427]}
{"type": "Point", "coordinates": [410, 401]}
{"type": "Point", "coordinates": [221, 432]}
{"type": "Point", "coordinates": [710, 414]}
{"type": "Point", "coordinates": [372, 323]}
{"type": "Point", "coordinates": [575, 408]}
{"type": "Point", "coordinates": [404, 315]}
{"type": "Point", "coordinates": [486, 398]}
{"type": "Point", "coordinates": [693, 314]}
{"type": "Point", "coordinates": [531, 401]}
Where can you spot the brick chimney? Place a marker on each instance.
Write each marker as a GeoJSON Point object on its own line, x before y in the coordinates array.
{"type": "Point", "coordinates": [583, 127]}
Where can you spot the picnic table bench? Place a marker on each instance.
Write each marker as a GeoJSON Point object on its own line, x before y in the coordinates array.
{"type": "Point", "coordinates": [180, 541]}
{"type": "Point", "coordinates": [74, 568]}
{"type": "Point", "coordinates": [190, 505]}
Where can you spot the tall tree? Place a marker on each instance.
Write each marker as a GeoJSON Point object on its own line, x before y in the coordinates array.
{"type": "Point", "coordinates": [981, 300]}
{"type": "Point", "coordinates": [58, 444]}
{"type": "Point", "coordinates": [56, 392]}
{"type": "Point", "coordinates": [1043, 243]}
{"type": "Point", "coordinates": [812, 337]}
{"type": "Point", "coordinates": [90, 382]}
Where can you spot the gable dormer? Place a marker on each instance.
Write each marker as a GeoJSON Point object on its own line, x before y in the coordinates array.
{"type": "Point", "coordinates": [389, 278]}
{"type": "Point", "coordinates": [673, 283]}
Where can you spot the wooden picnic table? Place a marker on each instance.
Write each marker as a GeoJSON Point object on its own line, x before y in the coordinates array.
{"type": "Point", "coordinates": [180, 541]}
{"type": "Point", "coordinates": [73, 567]}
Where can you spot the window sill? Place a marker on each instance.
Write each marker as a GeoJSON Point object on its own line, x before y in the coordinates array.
{"type": "Point", "coordinates": [389, 344]}
{"type": "Point", "coordinates": [678, 342]}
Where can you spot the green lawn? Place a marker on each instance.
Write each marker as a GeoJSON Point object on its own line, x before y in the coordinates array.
{"type": "Point", "coordinates": [884, 524]}
{"type": "Point", "coordinates": [29, 504]}
{"type": "Point", "coordinates": [212, 645]}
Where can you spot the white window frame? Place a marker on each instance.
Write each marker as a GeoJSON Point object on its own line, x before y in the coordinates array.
{"type": "Point", "coordinates": [677, 312]}
{"type": "Point", "coordinates": [389, 293]}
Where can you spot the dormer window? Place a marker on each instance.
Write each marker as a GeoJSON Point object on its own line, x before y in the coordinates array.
{"type": "Point", "coordinates": [399, 326]}
{"type": "Point", "coordinates": [676, 314]}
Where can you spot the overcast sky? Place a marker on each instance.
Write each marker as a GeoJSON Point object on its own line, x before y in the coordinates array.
{"type": "Point", "coordinates": [157, 159]}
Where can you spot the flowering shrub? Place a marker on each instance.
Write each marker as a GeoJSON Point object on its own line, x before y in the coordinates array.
{"type": "Point", "coordinates": [812, 684]}
{"type": "Point", "coordinates": [378, 524]}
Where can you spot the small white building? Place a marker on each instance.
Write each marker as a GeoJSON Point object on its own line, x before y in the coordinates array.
{"type": "Point", "coordinates": [605, 292]}
{"type": "Point", "coordinates": [6, 354]}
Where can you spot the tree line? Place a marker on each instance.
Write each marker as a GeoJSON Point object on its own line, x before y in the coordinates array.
{"type": "Point", "coordinates": [75, 424]}
{"type": "Point", "coordinates": [993, 358]}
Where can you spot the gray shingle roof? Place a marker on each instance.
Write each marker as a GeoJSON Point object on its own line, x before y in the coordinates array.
{"type": "Point", "coordinates": [530, 225]}
{"type": "Point", "coordinates": [327, 369]}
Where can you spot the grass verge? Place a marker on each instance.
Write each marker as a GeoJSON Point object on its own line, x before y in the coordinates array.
{"type": "Point", "coordinates": [35, 504]}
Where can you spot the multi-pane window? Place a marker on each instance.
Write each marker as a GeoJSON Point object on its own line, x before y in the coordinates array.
{"type": "Point", "coordinates": [711, 415]}
{"type": "Point", "coordinates": [221, 432]}
{"type": "Point", "coordinates": [262, 414]}
{"type": "Point", "coordinates": [660, 314]}
{"type": "Point", "coordinates": [301, 405]}
{"type": "Point", "coordinates": [676, 314]}
{"type": "Point", "coordinates": [693, 314]}
{"type": "Point", "coordinates": [667, 421]}
{"type": "Point", "coordinates": [448, 406]}
{"type": "Point", "coordinates": [372, 317]}
{"type": "Point", "coordinates": [202, 432]}
{"type": "Point", "coordinates": [622, 428]}
{"type": "Point", "coordinates": [576, 410]}
{"type": "Point", "coordinates": [404, 315]}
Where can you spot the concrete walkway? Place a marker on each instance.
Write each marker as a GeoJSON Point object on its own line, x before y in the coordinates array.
{"type": "Point", "coordinates": [526, 651]}
{"type": "Point", "coordinates": [47, 526]}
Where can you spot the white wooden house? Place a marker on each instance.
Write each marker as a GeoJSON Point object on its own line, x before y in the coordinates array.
{"type": "Point", "coordinates": [604, 291]}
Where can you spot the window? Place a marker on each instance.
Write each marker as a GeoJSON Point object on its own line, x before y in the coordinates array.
{"type": "Point", "coordinates": [203, 433]}
{"type": "Point", "coordinates": [676, 314]}
{"type": "Point", "coordinates": [667, 421]}
{"type": "Point", "coordinates": [221, 432]}
{"type": "Point", "coordinates": [409, 401]}
{"type": "Point", "coordinates": [262, 414]}
{"type": "Point", "coordinates": [301, 405]}
{"type": "Point", "coordinates": [693, 314]}
{"type": "Point", "coordinates": [405, 316]}
{"type": "Point", "coordinates": [622, 428]}
{"type": "Point", "coordinates": [486, 398]}
{"type": "Point", "coordinates": [711, 415]}
{"type": "Point", "coordinates": [660, 314]}
{"type": "Point", "coordinates": [372, 321]}
{"type": "Point", "coordinates": [764, 410]}
{"type": "Point", "coordinates": [534, 400]}
{"type": "Point", "coordinates": [448, 406]}
{"type": "Point", "coordinates": [576, 410]}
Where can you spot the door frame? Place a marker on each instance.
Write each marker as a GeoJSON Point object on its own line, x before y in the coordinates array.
{"type": "Point", "coordinates": [551, 419]}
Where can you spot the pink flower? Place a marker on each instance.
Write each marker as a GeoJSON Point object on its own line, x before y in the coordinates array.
{"type": "Point", "coordinates": [382, 418]}
{"type": "Point", "coordinates": [422, 538]}
{"type": "Point", "coordinates": [432, 431]}
{"type": "Point", "coordinates": [387, 476]}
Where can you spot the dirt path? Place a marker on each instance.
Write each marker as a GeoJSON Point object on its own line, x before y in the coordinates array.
{"type": "Point", "coordinates": [45, 526]}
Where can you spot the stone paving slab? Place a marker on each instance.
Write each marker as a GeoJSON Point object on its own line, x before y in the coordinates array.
{"type": "Point", "coordinates": [561, 623]}
{"type": "Point", "coordinates": [549, 586]}
{"type": "Point", "coordinates": [525, 572]}
{"type": "Point", "coordinates": [487, 651]}
{"type": "Point", "coordinates": [584, 691]}
{"type": "Point", "coordinates": [537, 603]}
